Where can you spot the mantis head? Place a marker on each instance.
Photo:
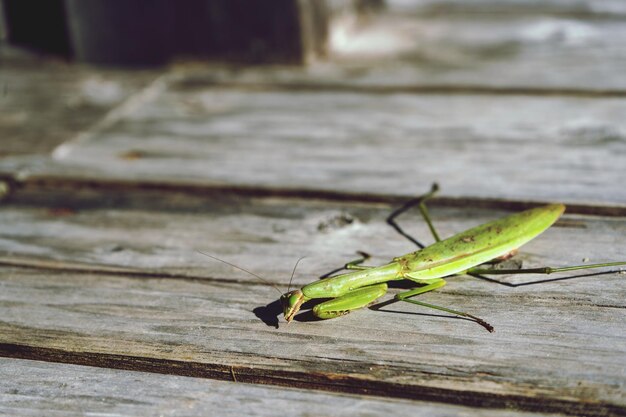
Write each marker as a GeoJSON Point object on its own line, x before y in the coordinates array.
{"type": "Point", "coordinates": [291, 302]}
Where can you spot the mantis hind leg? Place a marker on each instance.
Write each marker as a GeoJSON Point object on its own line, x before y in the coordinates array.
{"type": "Point", "coordinates": [420, 203]}
{"type": "Point", "coordinates": [433, 285]}
{"type": "Point", "coordinates": [352, 300]}
{"type": "Point", "coordinates": [542, 270]}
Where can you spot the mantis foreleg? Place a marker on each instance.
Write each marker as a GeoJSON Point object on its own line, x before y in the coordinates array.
{"type": "Point", "coordinates": [352, 300]}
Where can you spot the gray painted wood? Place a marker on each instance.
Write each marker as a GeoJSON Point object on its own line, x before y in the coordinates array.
{"type": "Point", "coordinates": [29, 388]}
{"type": "Point", "coordinates": [540, 149]}
{"type": "Point", "coordinates": [558, 345]}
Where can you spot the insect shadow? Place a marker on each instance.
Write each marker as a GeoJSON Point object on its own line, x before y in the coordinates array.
{"type": "Point", "coordinates": [270, 313]}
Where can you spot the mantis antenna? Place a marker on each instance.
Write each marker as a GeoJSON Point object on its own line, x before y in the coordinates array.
{"type": "Point", "coordinates": [246, 271]}
{"type": "Point", "coordinates": [293, 272]}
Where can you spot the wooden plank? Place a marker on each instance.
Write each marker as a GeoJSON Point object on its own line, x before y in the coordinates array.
{"type": "Point", "coordinates": [35, 388]}
{"type": "Point", "coordinates": [553, 351]}
{"type": "Point", "coordinates": [558, 346]}
{"type": "Point", "coordinates": [161, 233]}
{"type": "Point", "coordinates": [534, 52]}
{"type": "Point", "coordinates": [520, 148]}
{"type": "Point", "coordinates": [46, 102]}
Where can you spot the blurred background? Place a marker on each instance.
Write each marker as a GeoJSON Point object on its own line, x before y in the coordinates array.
{"type": "Point", "coordinates": [369, 96]}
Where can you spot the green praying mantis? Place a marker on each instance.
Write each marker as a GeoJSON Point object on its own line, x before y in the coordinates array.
{"type": "Point", "coordinates": [463, 253]}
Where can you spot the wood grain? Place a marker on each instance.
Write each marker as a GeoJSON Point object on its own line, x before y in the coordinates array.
{"type": "Point", "coordinates": [46, 102]}
{"type": "Point", "coordinates": [558, 345]}
{"type": "Point", "coordinates": [34, 388]}
{"type": "Point", "coordinates": [157, 233]}
{"type": "Point", "coordinates": [552, 351]}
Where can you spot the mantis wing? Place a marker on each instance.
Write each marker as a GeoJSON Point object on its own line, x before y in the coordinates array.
{"type": "Point", "coordinates": [479, 244]}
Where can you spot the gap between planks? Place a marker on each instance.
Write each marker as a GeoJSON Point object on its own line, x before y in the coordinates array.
{"type": "Point", "coordinates": [24, 188]}
{"type": "Point", "coordinates": [417, 89]}
{"type": "Point", "coordinates": [318, 381]}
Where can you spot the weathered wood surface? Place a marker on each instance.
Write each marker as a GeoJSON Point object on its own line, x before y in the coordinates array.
{"type": "Point", "coordinates": [31, 388]}
{"type": "Point", "coordinates": [567, 362]}
{"type": "Point", "coordinates": [558, 345]}
{"type": "Point", "coordinates": [98, 268]}
{"type": "Point", "coordinates": [160, 233]}
{"type": "Point", "coordinates": [542, 149]}
{"type": "Point", "coordinates": [44, 102]}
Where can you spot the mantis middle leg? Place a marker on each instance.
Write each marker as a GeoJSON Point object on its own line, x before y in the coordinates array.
{"type": "Point", "coordinates": [421, 203]}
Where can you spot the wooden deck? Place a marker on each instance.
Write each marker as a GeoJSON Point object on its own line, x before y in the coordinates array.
{"type": "Point", "coordinates": [111, 181]}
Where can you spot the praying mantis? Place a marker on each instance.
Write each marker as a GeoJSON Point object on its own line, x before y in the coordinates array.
{"type": "Point", "coordinates": [464, 253]}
